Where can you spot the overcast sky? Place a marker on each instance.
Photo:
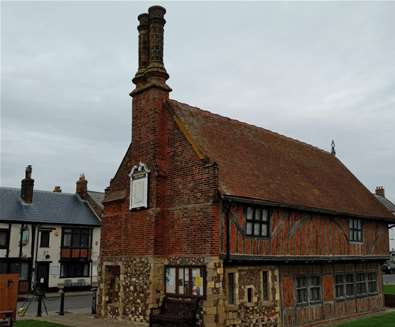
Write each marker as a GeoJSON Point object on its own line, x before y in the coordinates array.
{"type": "Point", "coordinates": [311, 71]}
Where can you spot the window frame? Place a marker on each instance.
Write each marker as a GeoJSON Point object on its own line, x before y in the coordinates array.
{"type": "Point", "coordinates": [6, 232]}
{"type": "Point", "coordinates": [189, 294]}
{"type": "Point", "coordinates": [368, 281]}
{"type": "Point", "coordinates": [342, 285]}
{"type": "Point", "coordinates": [355, 226]}
{"type": "Point", "coordinates": [359, 283]}
{"type": "Point", "coordinates": [265, 286]}
{"type": "Point", "coordinates": [81, 231]}
{"type": "Point", "coordinates": [231, 295]}
{"type": "Point", "coordinates": [308, 287]}
{"type": "Point", "coordinates": [25, 235]}
{"type": "Point", "coordinates": [47, 232]}
{"type": "Point", "coordinates": [256, 220]}
{"type": "Point", "coordinates": [84, 263]}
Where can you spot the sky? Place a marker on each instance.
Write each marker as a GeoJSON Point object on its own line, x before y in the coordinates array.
{"type": "Point", "coordinates": [314, 71]}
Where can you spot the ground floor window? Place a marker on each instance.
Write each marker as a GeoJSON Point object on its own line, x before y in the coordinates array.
{"type": "Point", "coordinates": [355, 284]}
{"type": "Point", "coordinates": [21, 268]}
{"type": "Point", "coordinates": [3, 238]}
{"type": "Point", "coordinates": [340, 286]}
{"type": "Point", "coordinates": [74, 269]}
{"type": "Point", "coordinates": [265, 286]}
{"type": "Point", "coordinates": [185, 281]}
{"type": "Point", "coordinates": [3, 267]}
{"type": "Point", "coordinates": [372, 282]}
{"type": "Point", "coordinates": [308, 289]}
{"type": "Point", "coordinates": [360, 283]}
{"type": "Point", "coordinates": [231, 288]}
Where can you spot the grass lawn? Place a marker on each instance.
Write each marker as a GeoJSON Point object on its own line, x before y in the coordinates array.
{"type": "Point", "coordinates": [36, 323]}
{"type": "Point", "coordinates": [389, 289]}
{"type": "Point", "coordinates": [384, 320]}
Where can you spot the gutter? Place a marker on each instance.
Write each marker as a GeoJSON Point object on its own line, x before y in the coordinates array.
{"type": "Point", "coordinates": [301, 208]}
{"type": "Point", "coordinates": [246, 259]}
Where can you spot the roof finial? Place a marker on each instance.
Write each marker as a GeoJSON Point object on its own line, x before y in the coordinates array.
{"type": "Point", "coordinates": [333, 150]}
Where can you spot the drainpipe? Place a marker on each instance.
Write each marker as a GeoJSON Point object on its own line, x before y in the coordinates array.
{"type": "Point", "coordinates": [8, 242]}
{"type": "Point", "coordinates": [35, 258]}
{"type": "Point", "coordinates": [32, 251]}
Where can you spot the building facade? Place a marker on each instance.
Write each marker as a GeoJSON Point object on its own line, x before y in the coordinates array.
{"type": "Point", "coordinates": [380, 195]}
{"type": "Point", "coordinates": [263, 229]}
{"type": "Point", "coordinates": [50, 238]}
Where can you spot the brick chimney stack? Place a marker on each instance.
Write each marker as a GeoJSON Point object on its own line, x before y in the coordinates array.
{"type": "Point", "coordinates": [380, 191]}
{"type": "Point", "coordinates": [151, 92]}
{"type": "Point", "coordinates": [57, 189]}
{"type": "Point", "coordinates": [27, 185]}
{"type": "Point", "coordinates": [82, 187]}
{"type": "Point", "coordinates": [151, 71]}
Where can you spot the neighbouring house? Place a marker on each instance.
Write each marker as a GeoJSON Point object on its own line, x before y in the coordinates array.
{"type": "Point", "coordinates": [263, 229]}
{"type": "Point", "coordinates": [380, 195]}
{"type": "Point", "coordinates": [50, 237]}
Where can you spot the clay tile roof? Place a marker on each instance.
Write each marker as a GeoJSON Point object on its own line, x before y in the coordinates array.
{"type": "Point", "coordinates": [258, 164]}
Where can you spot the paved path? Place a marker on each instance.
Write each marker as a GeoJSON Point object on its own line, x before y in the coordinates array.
{"type": "Point", "coordinates": [86, 320]}
{"type": "Point", "coordinates": [80, 302]}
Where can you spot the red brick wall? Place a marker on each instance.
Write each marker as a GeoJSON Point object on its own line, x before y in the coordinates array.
{"type": "Point", "coordinates": [181, 219]}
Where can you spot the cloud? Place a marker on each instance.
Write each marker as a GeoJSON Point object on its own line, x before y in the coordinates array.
{"type": "Point", "coordinates": [312, 71]}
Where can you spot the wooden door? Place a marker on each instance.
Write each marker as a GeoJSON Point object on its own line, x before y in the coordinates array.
{"type": "Point", "coordinates": [8, 292]}
{"type": "Point", "coordinates": [42, 274]}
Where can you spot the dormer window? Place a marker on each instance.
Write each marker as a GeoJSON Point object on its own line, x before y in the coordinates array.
{"type": "Point", "coordinates": [139, 187]}
{"type": "Point", "coordinates": [257, 221]}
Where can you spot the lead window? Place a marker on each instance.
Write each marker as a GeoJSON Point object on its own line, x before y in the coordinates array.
{"type": "Point", "coordinates": [360, 284]}
{"type": "Point", "coordinates": [231, 288]}
{"type": "Point", "coordinates": [308, 289]}
{"type": "Point", "coordinates": [372, 282]}
{"type": "Point", "coordinates": [265, 286]}
{"type": "Point", "coordinates": [355, 230]}
{"type": "Point", "coordinates": [257, 221]}
{"type": "Point", "coordinates": [339, 286]}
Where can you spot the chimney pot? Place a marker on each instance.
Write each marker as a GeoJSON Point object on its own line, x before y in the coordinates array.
{"type": "Point", "coordinates": [27, 185]}
{"type": "Point", "coordinates": [380, 191]}
{"type": "Point", "coordinates": [143, 29]}
{"type": "Point", "coordinates": [82, 186]}
{"type": "Point", "coordinates": [57, 189]}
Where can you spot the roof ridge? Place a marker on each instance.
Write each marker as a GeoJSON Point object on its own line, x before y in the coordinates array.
{"type": "Point", "coordinates": [35, 190]}
{"type": "Point", "coordinates": [256, 127]}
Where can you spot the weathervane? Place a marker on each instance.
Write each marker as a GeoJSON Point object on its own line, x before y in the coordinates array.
{"type": "Point", "coordinates": [333, 150]}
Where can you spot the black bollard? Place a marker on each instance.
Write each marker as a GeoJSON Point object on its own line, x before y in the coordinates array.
{"type": "Point", "coordinates": [94, 290]}
{"type": "Point", "coordinates": [61, 309]}
{"type": "Point", "coordinates": [39, 307]}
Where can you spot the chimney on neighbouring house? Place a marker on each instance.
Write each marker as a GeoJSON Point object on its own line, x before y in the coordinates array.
{"type": "Point", "coordinates": [57, 189]}
{"type": "Point", "coordinates": [151, 71]}
{"type": "Point", "coordinates": [27, 185]}
{"type": "Point", "coordinates": [82, 186]}
{"type": "Point", "coordinates": [380, 191]}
